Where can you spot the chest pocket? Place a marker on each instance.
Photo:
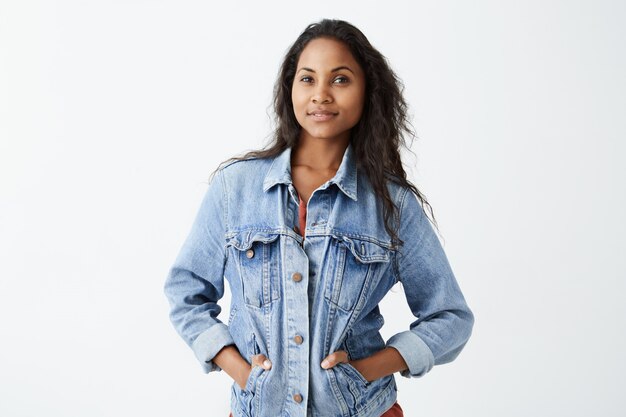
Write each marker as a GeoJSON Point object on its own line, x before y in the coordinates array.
{"type": "Point", "coordinates": [257, 254]}
{"type": "Point", "coordinates": [357, 265]}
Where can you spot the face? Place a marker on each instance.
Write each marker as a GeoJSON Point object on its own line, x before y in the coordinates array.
{"type": "Point", "coordinates": [328, 90]}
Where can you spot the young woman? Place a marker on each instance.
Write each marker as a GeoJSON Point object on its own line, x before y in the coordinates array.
{"type": "Point", "coordinates": [311, 233]}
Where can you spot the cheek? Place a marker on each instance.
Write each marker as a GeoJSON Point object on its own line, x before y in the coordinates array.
{"type": "Point", "coordinates": [357, 106]}
{"type": "Point", "coordinates": [297, 102]}
{"type": "Point", "coordinates": [298, 109]}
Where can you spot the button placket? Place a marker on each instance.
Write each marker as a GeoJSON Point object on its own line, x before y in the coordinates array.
{"type": "Point", "coordinates": [297, 298]}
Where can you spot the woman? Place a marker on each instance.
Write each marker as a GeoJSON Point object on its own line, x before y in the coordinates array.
{"type": "Point", "coordinates": [311, 233]}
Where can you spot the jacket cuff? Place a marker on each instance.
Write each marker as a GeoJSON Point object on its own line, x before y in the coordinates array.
{"type": "Point", "coordinates": [209, 343]}
{"type": "Point", "coordinates": [417, 355]}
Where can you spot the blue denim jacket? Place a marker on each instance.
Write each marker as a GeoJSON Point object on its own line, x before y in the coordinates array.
{"type": "Point", "coordinates": [325, 288]}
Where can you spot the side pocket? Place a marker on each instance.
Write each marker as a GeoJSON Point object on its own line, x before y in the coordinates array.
{"type": "Point", "coordinates": [350, 370]}
{"type": "Point", "coordinates": [354, 374]}
{"type": "Point", "coordinates": [253, 347]}
{"type": "Point", "coordinates": [253, 389]}
{"type": "Point", "coordinates": [252, 378]}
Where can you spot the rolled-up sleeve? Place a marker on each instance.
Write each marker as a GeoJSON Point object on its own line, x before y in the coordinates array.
{"type": "Point", "coordinates": [195, 281]}
{"type": "Point", "coordinates": [444, 320]}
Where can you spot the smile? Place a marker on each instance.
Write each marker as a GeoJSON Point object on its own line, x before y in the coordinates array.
{"type": "Point", "coordinates": [322, 116]}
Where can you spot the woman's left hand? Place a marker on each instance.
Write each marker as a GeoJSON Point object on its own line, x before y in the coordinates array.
{"type": "Point", "coordinates": [341, 356]}
{"type": "Point", "coordinates": [382, 363]}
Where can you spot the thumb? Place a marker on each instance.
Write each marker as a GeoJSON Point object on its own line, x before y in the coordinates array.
{"type": "Point", "coordinates": [262, 361]}
{"type": "Point", "coordinates": [335, 358]}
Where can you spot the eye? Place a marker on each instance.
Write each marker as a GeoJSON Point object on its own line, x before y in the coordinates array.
{"type": "Point", "coordinates": [305, 78]}
{"type": "Point", "coordinates": [342, 79]}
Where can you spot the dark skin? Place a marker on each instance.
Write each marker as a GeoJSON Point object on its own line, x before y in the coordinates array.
{"type": "Point", "coordinates": [328, 79]}
{"type": "Point", "coordinates": [311, 166]}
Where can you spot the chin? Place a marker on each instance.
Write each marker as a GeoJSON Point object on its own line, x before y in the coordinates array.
{"type": "Point", "coordinates": [322, 133]}
{"type": "Point", "coordinates": [322, 136]}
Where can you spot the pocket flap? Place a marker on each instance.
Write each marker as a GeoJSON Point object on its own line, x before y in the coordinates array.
{"type": "Point", "coordinates": [244, 239]}
{"type": "Point", "coordinates": [365, 251]}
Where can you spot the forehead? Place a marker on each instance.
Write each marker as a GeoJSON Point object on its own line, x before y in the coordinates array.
{"type": "Point", "coordinates": [325, 53]}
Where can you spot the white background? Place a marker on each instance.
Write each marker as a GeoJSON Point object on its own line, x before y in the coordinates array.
{"type": "Point", "coordinates": [114, 113]}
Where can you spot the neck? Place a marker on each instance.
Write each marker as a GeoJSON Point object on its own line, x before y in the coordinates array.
{"type": "Point", "coordinates": [319, 154]}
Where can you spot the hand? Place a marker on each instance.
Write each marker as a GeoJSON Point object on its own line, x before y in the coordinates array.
{"type": "Point", "coordinates": [341, 356]}
{"type": "Point", "coordinates": [257, 360]}
{"type": "Point", "coordinates": [382, 363]}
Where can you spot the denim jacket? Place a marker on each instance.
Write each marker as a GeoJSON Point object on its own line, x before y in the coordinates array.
{"type": "Point", "coordinates": [297, 300]}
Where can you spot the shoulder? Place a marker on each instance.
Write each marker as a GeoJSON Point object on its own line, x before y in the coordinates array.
{"type": "Point", "coordinates": [410, 207]}
{"type": "Point", "coordinates": [242, 172]}
{"type": "Point", "coordinates": [239, 167]}
{"type": "Point", "coordinates": [232, 165]}
{"type": "Point", "coordinates": [399, 193]}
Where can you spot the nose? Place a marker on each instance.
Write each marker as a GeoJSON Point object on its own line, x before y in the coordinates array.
{"type": "Point", "coordinates": [321, 95]}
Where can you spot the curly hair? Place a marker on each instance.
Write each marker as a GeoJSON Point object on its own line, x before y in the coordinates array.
{"type": "Point", "coordinates": [378, 135]}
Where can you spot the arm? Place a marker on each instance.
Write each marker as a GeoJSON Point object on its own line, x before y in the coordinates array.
{"type": "Point", "coordinates": [230, 360]}
{"type": "Point", "coordinates": [382, 363]}
{"type": "Point", "coordinates": [444, 320]}
{"type": "Point", "coordinates": [196, 280]}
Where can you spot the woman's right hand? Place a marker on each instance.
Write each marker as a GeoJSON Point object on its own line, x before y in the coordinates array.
{"type": "Point", "coordinates": [257, 360]}
{"type": "Point", "coordinates": [230, 360]}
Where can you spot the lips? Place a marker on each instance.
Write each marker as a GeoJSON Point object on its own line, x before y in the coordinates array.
{"type": "Point", "coordinates": [322, 113]}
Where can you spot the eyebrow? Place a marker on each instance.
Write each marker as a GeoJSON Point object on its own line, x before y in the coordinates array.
{"type": "Point", "coordinates": [333, 70]}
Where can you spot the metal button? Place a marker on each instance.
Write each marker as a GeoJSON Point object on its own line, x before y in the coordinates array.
{"type": "Point", "coordinates": [297, 277]}
{"type": "Point", "coordinates": [250, 253]}
{"type": "Point", "coordinates": [298, 339]}
{"type": "Point", "coordinates": [297, 398]}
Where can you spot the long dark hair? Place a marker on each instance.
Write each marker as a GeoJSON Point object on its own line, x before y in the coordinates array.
{"type": "Point", "coordinates": [380, 132]}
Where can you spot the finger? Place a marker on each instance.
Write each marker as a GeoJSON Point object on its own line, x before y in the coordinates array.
{"type": "Point", "coordinates": [335, 358]}
{"type": "Point", "coordinates": [262, 361]}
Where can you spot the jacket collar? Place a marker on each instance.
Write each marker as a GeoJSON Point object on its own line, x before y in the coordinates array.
{"type": "Point", "coordinates": [345, 178]}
